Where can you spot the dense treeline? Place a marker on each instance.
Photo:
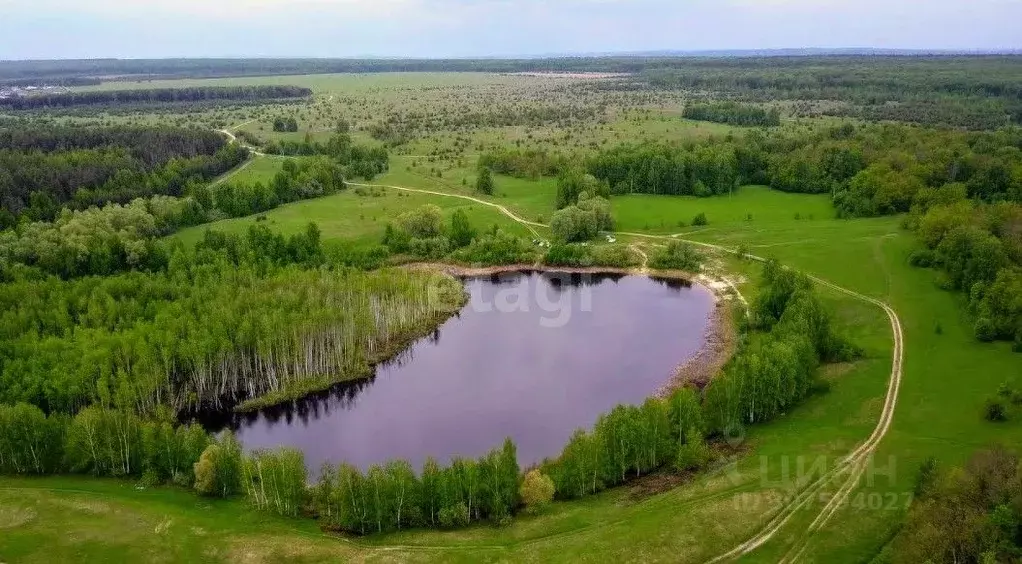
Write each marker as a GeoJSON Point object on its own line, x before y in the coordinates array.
{"type": "Point", "coordinates": [45, 168]}
{"type": "Point", "coordinates": [99, 442]}
{"type": "Point", "coordinates": [978, 247]}
{"type": "Point", "coordinates": [632, 441]}
{"type": "Point", "coordinates": [967, 92]}
{"type": "Point", "coordinates": [869, 171]}
{"type": "Point", "coordinates": [154, 96]}
{"type": "Point", "coordinates": [233, 319]}
{"type": "Point", "coordinates": [964, 515]}
{"type": "Point", "coordinates": [530, 163]}
{"type": "Point", "coordinates": [732, 113]}
{"type": "Point", "coordinates": [776, 369]}
{"type": "Point", "coordinates": [391, 497]}
{"type": "Point", "coordinates": [115, 238]}
{"type": "Point", "coordinates": [705, 169]}
{"type": "Point", "coordinates": [363, 161]}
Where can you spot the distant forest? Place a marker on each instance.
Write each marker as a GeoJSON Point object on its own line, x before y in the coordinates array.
{"type": "Point", "coordinates": [154, 96]}
{"type": "Point", "coordinates": [968, 92]}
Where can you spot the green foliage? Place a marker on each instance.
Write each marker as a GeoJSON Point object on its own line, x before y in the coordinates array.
{"type": "Point", "coordinates": [537, 491]}
{"type": "Point", "coordinates": [776, 370]}
{"type": "Point", "coordinates": [423, 223]}
{"type": "Point", "coordinates": [531, 163]}
{"type": "Point", "coordinates": [965, 514]}
{"type": "Point", "coordinates": [574, 182]}
{"type": "Point", "coordinates": [462, 232]}
{"type": "Point", "coordinates": [694, 454]}
{"type": "Point", "coordinates": [47, 167]}
{"type": "Point", "coordinates": [285, 124]}
{"type": "Point", "coordinates": [677, 255]}
{"type": "Point", "coordinates": [582, 221]}
{"type": "Point", "coordinates": [484, 182]}
{"type": "Point", "coordinates": [701, 170]}
{"type": "Point", "coordinates": [219, 471]}
{"type": "Point", "coordinates": [496, 247]}
{"type": "Point", "coordinates": [732, 113]}
{"type": "Point", "coordinates": [276, 480]}
{"type": "Point", "coordinates": [584, 256]}
{"type": "Point", "coordinates": [192, 336]}
{"type": "Point", "coordinates": [700, 220]}
{"type": "Point", "coordinates": [391, 497]}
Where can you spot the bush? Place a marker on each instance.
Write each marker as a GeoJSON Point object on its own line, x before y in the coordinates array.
{"type": "Point", "coordinates": [537, 491]}
{"type": "Point", "coordinates": [694, 454]}
{"type": "Point", "coordinates": [423, 222]}
{"type": "Point", "coordinates": [677, 255]}
{"type": "Point", "coordinates": [454, 516]}
{"type": "Point", "coordinates": [218, 471]}
{"type": "Point", "coordinates": [923, 258]}
{"type": "Point", "coordinates": [985, 330]}
{"type": "Point", "coordinates": [700, 220]}
{"type": "Point", "coordinates": [995, 410]}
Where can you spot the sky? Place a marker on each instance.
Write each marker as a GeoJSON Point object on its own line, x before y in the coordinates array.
{"type": "Point", "coordinates": [50, 29]}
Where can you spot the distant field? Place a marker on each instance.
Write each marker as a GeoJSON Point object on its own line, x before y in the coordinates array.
{"type": "Point", "coordinates": [351, 217]}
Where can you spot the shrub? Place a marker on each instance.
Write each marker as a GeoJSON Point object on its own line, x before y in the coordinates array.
{"type": "Point", "coordinates": [423, 222]}
{"type": "Point", "coordinates": [537, 491]}
{"type": "Point", "coordinates": [218, 471]}
{"type": "Point", "coordinates": [694, 454]}
{"type": "Point", "coordinates": [700, 220]}
{"type": "Point", "coordinates": [677, 255]}
{"type": "Point", "coordinates": [995, 410]}
{"type": "Point", "coordinates": [454, 516]}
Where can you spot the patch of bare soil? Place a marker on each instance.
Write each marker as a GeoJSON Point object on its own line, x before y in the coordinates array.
{"type": "Point", "coordinates": [718, 347]}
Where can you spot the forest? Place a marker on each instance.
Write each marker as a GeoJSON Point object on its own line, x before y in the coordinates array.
{"type": "Point", "coordinates": [203, 331]}
{"type": "Point", "coordinates": [45, 168]}
{"type": "Point", "coordinates": [261, 93]}
{"type": "Point", "coordinates": [117, 238]}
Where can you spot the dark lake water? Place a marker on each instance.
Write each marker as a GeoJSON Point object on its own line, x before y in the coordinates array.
{"type": "Point", "coordinates": [532, 356]}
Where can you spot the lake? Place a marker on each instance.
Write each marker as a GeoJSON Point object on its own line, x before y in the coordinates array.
{"type": "Point", "coordinates": [532, 355]}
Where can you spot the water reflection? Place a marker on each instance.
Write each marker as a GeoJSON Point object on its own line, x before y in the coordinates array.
{"type": "Point", "coordinates": [500, 368]}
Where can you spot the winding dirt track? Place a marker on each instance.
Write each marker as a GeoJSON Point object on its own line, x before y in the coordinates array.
{"type": "Point", "coordinates": [854, 464]}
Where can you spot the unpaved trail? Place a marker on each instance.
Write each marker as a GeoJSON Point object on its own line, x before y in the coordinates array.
{"type": "Point", "coordinates": [853, 464]}
{"type": "Point", "coordinates": [530, 225]}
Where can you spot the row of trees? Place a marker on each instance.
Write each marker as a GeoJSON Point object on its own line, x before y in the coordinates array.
{"type": "Point", "coordinates": [732, 113]}
{"type": "Point", "coordinates": [392, 497]}
{"type": "Point", "coordinates": [631, 441]}
{"type": "Point", "coordinates": [99, 442]}
{"type": "Point", "coordinates": [154, 96]}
